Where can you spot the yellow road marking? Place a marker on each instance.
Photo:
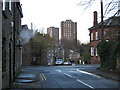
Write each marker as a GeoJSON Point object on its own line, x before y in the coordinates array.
{"type": "Point", "coordinates": [41, 76]}
{"type": "Point", "coordinates": [44, 76]}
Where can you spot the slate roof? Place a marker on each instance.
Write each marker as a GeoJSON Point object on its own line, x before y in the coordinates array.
{"type": "Point", "coordinates": [112, 21]}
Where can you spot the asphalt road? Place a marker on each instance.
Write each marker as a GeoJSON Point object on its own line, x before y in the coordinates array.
{"type": "Point", "coordinates": [71, 77]}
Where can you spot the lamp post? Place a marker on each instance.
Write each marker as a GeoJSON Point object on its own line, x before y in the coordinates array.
{"type": "Point", "coordinates": [102, 28]}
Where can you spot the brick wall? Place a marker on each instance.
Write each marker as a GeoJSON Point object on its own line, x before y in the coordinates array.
{"type": "Point", "coordinates": [95, 59]}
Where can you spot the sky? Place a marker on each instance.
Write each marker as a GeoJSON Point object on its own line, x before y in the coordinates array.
{"type": "Point", "coordinates": [46, 13]}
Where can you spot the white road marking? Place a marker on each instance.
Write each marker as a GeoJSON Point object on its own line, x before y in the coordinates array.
{"type": "Point", "coordinates": [88, 73]}
{"type": "Point", "coordinates": [58, 70]}
{"type": "Point", "coordinates": [85, 84]}
{"type": "Point", "coordinates": [78, 79]}
{"type": "Point", "coordinates": [68, 75]}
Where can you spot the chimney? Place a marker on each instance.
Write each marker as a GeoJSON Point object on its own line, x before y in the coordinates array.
{"type": "Point", "coordinates": [95, 18]}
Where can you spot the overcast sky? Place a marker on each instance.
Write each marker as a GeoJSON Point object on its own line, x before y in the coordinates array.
{"type": "Point", "coordinates": [47, 13]}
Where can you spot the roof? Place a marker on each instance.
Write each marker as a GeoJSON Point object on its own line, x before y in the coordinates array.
{"type": "Point", "coordinates": [25, 26]}
{"type": "Point", "coordinates": [19, 8]}
{"type": "Point", "coordinates": [112, 21]}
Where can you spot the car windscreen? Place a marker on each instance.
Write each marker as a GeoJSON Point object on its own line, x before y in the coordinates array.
{"type": "Point", "coordinates": [58, 60]}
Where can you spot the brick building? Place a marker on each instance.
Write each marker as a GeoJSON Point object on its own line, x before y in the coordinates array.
{"type": "Point", "coordinates": [11, 48]}
{"type": "Point", "coordinates": [111, 27]}
{"type": "Point", "coordinates": [69, 33]}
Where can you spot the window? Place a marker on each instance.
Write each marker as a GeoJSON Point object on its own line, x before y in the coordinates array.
{"type": "Point", "coordinates": [96, 33]}
{"type": "Point", "coordinates": [96, 52]}
{"type": "Point", "coordinates": [105, 34]}
{"type": "Point", "coordinates": [91, 36]}
{"type": "Point", "coordinates": [9, 4]}
{"type": "Point", "coordinates": [3, 5]}
{"type": "Point", "coordinates": [92, 51]}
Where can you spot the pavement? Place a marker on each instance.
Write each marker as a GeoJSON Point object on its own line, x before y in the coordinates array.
{"type": "Point", "coordinates": [113, 74]}
{"type": "Point", "coordinates": [30, 79]}
{"type": "Point", "coordinates": [26, 79]}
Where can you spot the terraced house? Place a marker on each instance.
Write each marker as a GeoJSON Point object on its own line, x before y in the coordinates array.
{"type": "Point", "coordinates": [11, 42]}
{"type": "Point", "coordinates": [111, 29]}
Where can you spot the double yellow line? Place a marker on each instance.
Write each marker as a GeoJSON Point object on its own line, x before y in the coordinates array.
{"type": "Point", "coordinates": [43, 77]}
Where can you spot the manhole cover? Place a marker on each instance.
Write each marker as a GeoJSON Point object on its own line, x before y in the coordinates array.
{"type": "Point", "coordinates": [26, 76]}
{"type": "Point", "coordinates": [24, 81]}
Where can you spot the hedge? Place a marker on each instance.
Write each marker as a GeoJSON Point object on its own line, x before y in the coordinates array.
{"type": "Point", "coordinates": [108, 54]}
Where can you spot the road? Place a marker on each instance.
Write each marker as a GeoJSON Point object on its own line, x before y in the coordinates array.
{"type": "Point", "coordinates": [71, 77]}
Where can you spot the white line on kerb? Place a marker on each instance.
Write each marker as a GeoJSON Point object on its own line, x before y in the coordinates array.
{"type": "Point", "coordinates": [88, 73]}
{"type": "Point", "coordinates": [85, 84]}
{"type": "Point", "coordinates": [68, 75]}
{"type": "Point", "coordinates": [59, 70]}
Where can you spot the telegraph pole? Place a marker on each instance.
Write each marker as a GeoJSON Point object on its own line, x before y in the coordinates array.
{"type": "Point", "coordinates": [102, 28]}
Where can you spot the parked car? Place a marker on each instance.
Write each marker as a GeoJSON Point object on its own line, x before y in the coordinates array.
{"type": "Point", "coordinates": [73, 64]}
{"type": "Point", "coordinates": [59, 62]}
{"type": "Point", "coordinates": [65, 62]}
{"type": "Point", "coordinates": [69, 63]}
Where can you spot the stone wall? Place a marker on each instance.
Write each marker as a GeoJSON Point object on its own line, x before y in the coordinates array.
{"type": "Point", "coordinates": [0, 45]}
{"type": "Point", "coordinates": [8, 70]}
{"type": "Point", "coordinates": [7, 42]}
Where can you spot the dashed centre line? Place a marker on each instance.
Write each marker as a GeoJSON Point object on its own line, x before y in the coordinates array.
{"type": "Point", "coordinates": [85, 84]}
{"type": "Point", "coordinates": [68, 75]}
{"type": "Point", "coordinates": [80, 81]}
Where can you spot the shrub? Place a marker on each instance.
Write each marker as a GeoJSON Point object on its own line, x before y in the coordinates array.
{"type": "Point", "coordinates": [107, 52]}
{"type": "Point", "coordinates": [86, 58]}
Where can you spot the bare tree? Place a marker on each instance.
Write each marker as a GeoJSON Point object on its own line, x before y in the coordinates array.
{"type": "Point", "coordinates": [110, 6]}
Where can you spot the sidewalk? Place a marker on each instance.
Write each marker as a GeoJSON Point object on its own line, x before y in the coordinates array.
{"type": "Point", "coordinates": [26, 79]}
{"type": "Point", "coordinates": [114, 75]}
